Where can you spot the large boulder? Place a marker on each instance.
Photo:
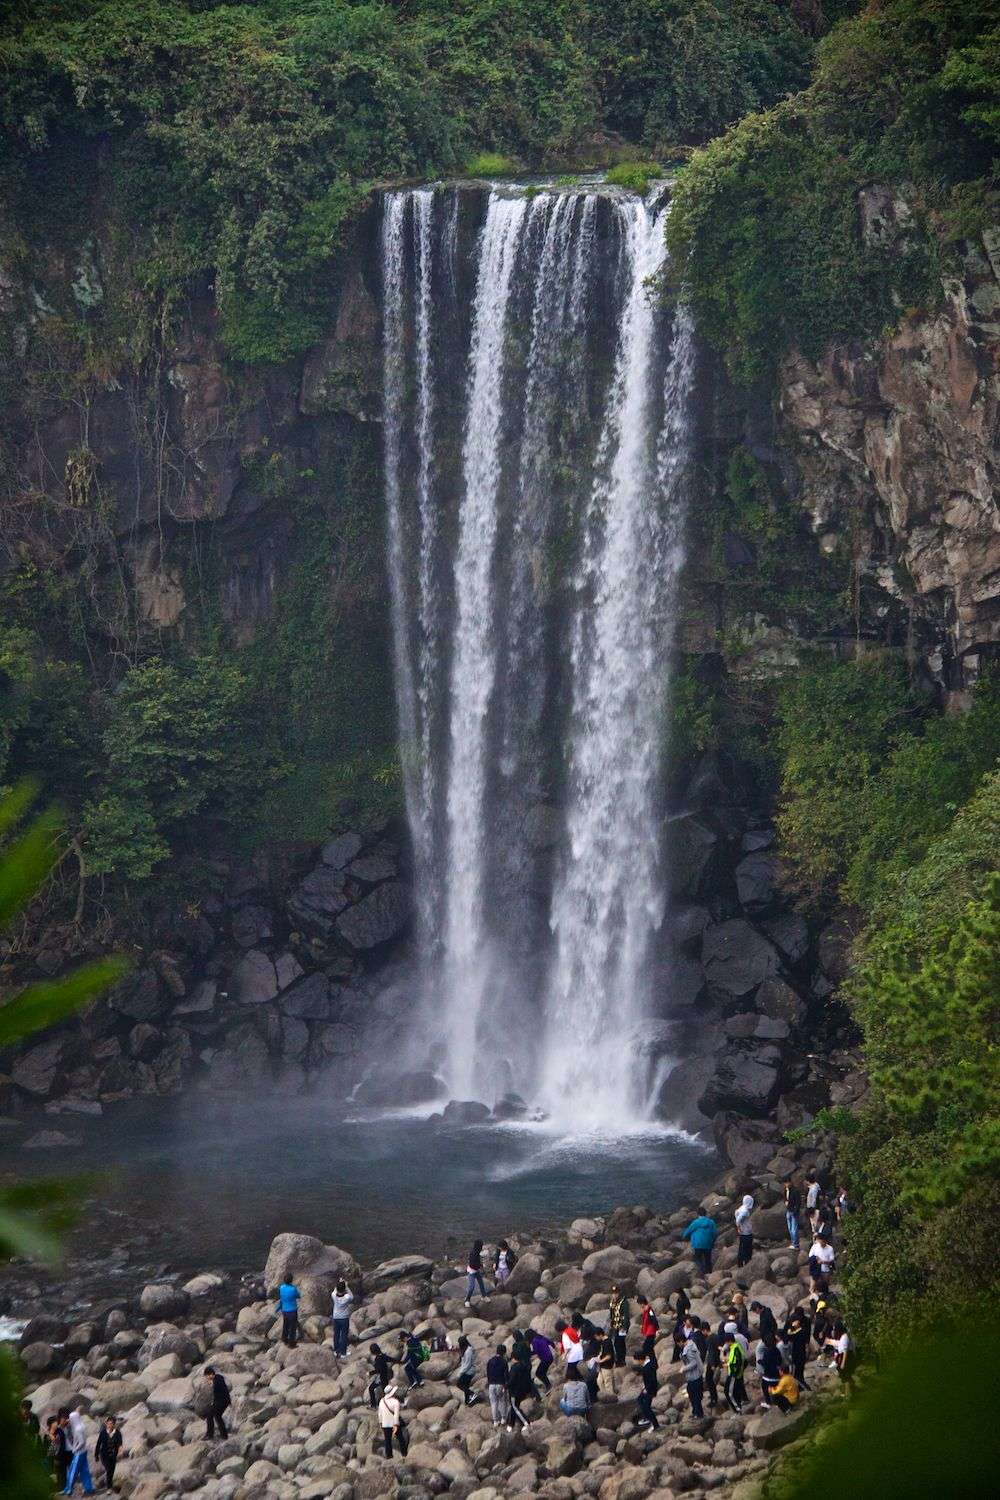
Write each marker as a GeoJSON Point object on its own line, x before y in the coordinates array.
{"type": "Point", "coordinates": [681, 1090]}
{"type": "Point", "coordinates": [756, 878]}
{"type": "Point", "coordinates": [318, 899]}
{"type": "Point", "coordinates": [383, 915]}
{"type": "Point", "coordinates": [401, 1268]}
{"type": "Point", "coordinates": [776, 998]}
{"type": "Point", "coordinates": [382, 1089]}
{"type": "Point", "coordinates": [691, 844]}
{"type": "Point", "coordinates": [737, 959]}
{"type": "Point", "coordinates": [139, 997]}
{"type": "Point", "coordinates": [609, 1267]}
{"type": "Point", "coordinates": [774, 1429]}
{"type": "Point", "coordinates": [747, 1144]}
{"type": "Point", "coordinates": [309, 999]}
{"type": "Point", "coordinates": [46, 1399]}
{"type": "Point", "coordinates": [465, 1112]}
{"type": "Point", "coordinates": [789, 932]}
{"type": "Point", "coordinates": [253, 981]}
{"type": "Point", "coordinates": [164, 1339]}
{"type": "Point", "coordinates": [161, 1301]}
{"type": "Point", "coordinates": [36, 1070]}
{"type": "Point", "coordinates": [339, 851]}
{"type": "Point", "coordinates": [313, 1266]}
{"type": "Point", "coordinates": [747, 1080]}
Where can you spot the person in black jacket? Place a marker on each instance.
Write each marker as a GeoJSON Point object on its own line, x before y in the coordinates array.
{"type": "Point", "coordinates": [58, 1451]}
{"type": "Point", "coordinates": [221, 1399]}
{"type": "Point", "coordinates": [650, 1386]}
{"type": "Point", "coordinates": [497, 1376]}
{"type": "Point", "coordinates": [797, 1331]}
{"type": "Point", "coordinates": [109, 1446]}
{"type": "Point", "coordinates": [519, 1387]}
{"type": "Point", "coordinates": [712, 1354]}
{"type": "Point", "coordinates": [766, 1320]}
{"type": "Point", "coordinates": [381, 1367]}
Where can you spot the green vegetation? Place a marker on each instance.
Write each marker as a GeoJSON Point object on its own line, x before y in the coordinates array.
{"type": "Point", "coordinates": [898, 809]}
{"type": "Point", "coordinates": [634, 175]}
{"type": "Point", "coordinates": [489, 164]}
{"type": "Point", "coordinates": [192, 142]}
{"type": "Point", "coordinates": [33, 1215]}
{"type": "Point", "coordinates": [767, 219]}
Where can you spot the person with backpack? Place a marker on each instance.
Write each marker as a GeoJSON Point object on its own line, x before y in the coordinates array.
{"type": "Point", "coordinates": [497, 1376]}
{"type": "Point", "coordinates": [735, 1359]}
{"type": "Point", "coordinates": [474, 1272]}
{"type": "Point", "coordinates": [544, 1351]}
{"type": "Point", "coordinates": [650, 1386]}
{"type": "Point", "coordinates": [649, 1326]}
{"type": "Point", "coordinates": [793, 1209]}
{"type": "Point", "coordinates": [503, 1263]}
{"type": "Point", "coordinates": [619, 1319]}
{"type": "Point", "coordinates": [390, 1419]}
{"type": "Point", "coordinates": [412, 1354]}
{"type": "Point", "coordinates": [288, 1306]}
{"type": "Point", "coordinates": [744, 1229]}
{"type": "Point", "coordinates": [466, 1370]}
{"type": "Point", "coordinates": [702, 1233]}
{"type": "Point", "coordinates": [693, 1367]}
{"type": "Point", "coordinates": [221, 1400]}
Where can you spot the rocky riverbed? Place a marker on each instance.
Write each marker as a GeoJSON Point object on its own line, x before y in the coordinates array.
{"type": "Point", "coordinates": [301, 1424]}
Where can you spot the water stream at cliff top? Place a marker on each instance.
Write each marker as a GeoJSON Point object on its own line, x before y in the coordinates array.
{"type": "Point", "coordinates": [537, 439]}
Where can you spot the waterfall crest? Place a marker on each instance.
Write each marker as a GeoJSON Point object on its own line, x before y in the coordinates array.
{"type": "Point", "coordinates": [537, 453]}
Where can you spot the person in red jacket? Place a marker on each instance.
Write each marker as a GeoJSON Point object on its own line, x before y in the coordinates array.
{"type": "Point", "coordinates": [649, 1326]}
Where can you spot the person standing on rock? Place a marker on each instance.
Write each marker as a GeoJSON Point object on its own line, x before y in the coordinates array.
{"type": "Point", "coordinates": [466, 1370]}
{"type": "Point", "coordinates": [474, 1272]}
{"type": "Point", "coordinates": [766, 1321]}
{"type": "Point", "coordinates": [343, 1300]}
{"type": "Point", "coordinates": [76, 1437]}
{"type": "Point", "coordinates": [570, 1340]}
{"type": "Point", "coordinates": [58, 1449]}
{"type": "Point", "coordinates": [796, 1333]}
{"type": "Point", "coordinates": [702, 1233]}
{"type": "Point", "coordinates": [735, 1354]}
{"type": "Point", "coordinates": [412, 1354]}
{"type": "Point", "coordinates": [381, 1374]}
{"type": "Point", "coordinates": [519, 1387]}
{"type": "Point", "coordinates": [288, 1306]}
{"type": "Point", "coordinates": [821, 1263]}
{"type": "Point", "coordinates": [389, 1419]}
{"type": "Point", "coordinates": [497, 1376]}
{"type": "Point", "coordinates": [650, 1386]}
{"type": "Point", "coordinates": [649, 1327]}
{"type": "Point", "coordinates": [713, 1364]}
{"type": "Point", "coordinates": [544, 1351]}
{"type": "Point", "coordinates": [503, 1263]}
{"type": "Point", "coordinates": [619, 1318]}
{"type": "Point", "coordinates": [744, 1229]}
{"type": "Point", "coordinates": [793, 1208]}
{"type": "Point", "coordinates": [693, 1367]}
{"type": "Point", "coordinates": [109, 1446]}
{"type": "Point", "coordinates": [221, 1401]}
{"type": "Point", "coordinates": [844, 1354]}
{"type": "Point", "coordinates": [812, 1199]}
{"type": "Point", "coordinates": [769, 1367]}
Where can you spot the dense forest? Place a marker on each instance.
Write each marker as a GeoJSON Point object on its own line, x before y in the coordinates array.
{"type": "Point", "coordinates": [226, 153]}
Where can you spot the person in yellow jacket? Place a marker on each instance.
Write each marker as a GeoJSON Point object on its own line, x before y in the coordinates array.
{"type": "Point", "coordinates": [785, 1392]}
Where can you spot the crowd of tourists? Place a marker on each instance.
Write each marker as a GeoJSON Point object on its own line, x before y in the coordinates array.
{"type": "Point", "coordinates": [715, 1361]}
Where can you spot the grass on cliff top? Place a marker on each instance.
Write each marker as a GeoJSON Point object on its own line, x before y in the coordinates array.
{"type": "Point", "coordinates": [633, 175]}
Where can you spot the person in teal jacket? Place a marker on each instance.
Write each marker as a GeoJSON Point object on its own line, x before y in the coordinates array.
{"type": "Point", "coordinates": [702, 1233]}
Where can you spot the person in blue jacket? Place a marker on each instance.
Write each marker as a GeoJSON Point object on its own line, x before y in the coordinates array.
{"type": "Point", "coordinates": [702, 1233]}
{"type": "Point", "coordinates": [288, 1305]}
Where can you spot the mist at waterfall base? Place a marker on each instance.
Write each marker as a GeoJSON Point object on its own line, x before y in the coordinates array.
{"type": "Point", "coordinates": [538, 399]}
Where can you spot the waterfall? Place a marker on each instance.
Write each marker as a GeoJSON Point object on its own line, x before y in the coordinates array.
{"type": "Point", "coordinates": [536, 455]}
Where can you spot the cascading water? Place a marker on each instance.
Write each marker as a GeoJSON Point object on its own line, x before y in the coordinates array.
{"type": "Point", "coordinates": [534, 523]}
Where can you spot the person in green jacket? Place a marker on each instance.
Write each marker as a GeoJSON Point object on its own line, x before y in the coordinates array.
{"type": "Point", "coordinates": [702, 1232]}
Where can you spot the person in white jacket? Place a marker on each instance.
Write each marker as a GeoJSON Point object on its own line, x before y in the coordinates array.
{"type": "Point", "coordinates": [744, 1228]}
{"type": "Point", "coordinates": [79, 1468]}
{"type": "Point", "coordinates": [343, 1300]}
{"type": "Point", "coordinates": [693, 1367]}
{"type": "Point", "coordinates": [390, 1421]}
{"type": "Point", "coordinates": [466, 1371]}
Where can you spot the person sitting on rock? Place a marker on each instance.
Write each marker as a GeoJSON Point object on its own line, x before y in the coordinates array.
{"type": "Point", "coordinates": [702, 1233]}
{"type": "Point", "coordinates": [650, 1386]}
{"type": "Point", "coordinates": [466, 1370]}
{"type": "Point", "coordinates": [785, 1393]}
{"type": "Point", "coordinates": [575, 1399]}
{"type": "Point", "coordinates": [288, 1306]}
